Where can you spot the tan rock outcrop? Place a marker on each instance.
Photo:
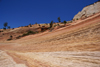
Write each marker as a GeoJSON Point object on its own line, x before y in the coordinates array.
{"type": "Point", "coordinates": [88, 11]}
{"type": "Point", "coordinates": [7, 61]}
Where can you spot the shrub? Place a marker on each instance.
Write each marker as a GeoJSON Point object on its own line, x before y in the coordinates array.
{"type": "Point", "coordinates": [31, 32]}
{"type": "Point", "coordinates": [64, 22]}
{"type": "Point", "coordinates": [36, 23]}
{"type": "Point", "coordinates": [36, 32]}
{"type": "Point", "coordinates": [5, 25]}
{"type": "Point", "coordinates": [51, 24]}
{"type": "Point", "coordinates": [25, 34]}
{"type": "Point", "coordinates": [18, 37]}
{"type": "Point", "coordinates": [43, 26]}
{"type": "Point", "coordinates": [11, 36]}
{"type": "Point", "coordinates": [9, 39]}
{"type": "Point", "coordinates": [39, 25]}
{"type": "Point", "coordinates": [12, 28]}
{"type": "Point", "coordinates": [1, 31]}
{"type": "Point", "coordinates": [30, 25]}
{"type": "Point", "coordinates": [26, 26]}
{"type": "Point", "coordinates": [59, 19]}
{"type": "Point", "coordinates": [58, 24]}
{"type": "Point", "coordinates": [28, 33]}
{"type": "Point", "coordinates": [4, 28]}
{"type": "Point", "coordinates": [55, 25]}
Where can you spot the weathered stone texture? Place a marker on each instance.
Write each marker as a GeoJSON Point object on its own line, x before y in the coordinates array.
{"type": "Point", "coordinates": [88, 11]}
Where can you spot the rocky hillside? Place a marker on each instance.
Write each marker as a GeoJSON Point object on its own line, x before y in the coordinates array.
{"type": "Point", "coordinates": [75, 44]}
{"type": "Point", "coordinates": [88, 11]}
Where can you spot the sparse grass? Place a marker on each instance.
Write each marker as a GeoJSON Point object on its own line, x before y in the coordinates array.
{"type": "Point", "coordinates": [28, 33]}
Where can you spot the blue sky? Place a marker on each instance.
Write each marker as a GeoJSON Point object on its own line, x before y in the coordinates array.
{"type": "Point", "coordinates": [23, 12]}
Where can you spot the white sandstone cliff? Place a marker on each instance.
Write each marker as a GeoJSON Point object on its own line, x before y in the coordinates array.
{"type": "Point", "coordinates": [88, 11]}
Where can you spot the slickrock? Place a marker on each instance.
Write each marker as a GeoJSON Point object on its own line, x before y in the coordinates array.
{"type": "Point", "coordinates": [88, 11]}
{"type": "Point", "coordinates": [7, 61]}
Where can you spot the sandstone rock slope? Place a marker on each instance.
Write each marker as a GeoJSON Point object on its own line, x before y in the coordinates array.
{"type": "Point", "coordinates": [88, 11]}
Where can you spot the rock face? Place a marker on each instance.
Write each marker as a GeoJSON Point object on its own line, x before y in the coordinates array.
{"type": "Point", "coordinates": [7, 61]}
{"type": "Point", "coordinates": [88, 11]}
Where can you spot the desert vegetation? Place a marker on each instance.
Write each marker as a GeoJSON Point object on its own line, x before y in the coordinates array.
{"type": "Point", "coordinates": [59, 19]}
